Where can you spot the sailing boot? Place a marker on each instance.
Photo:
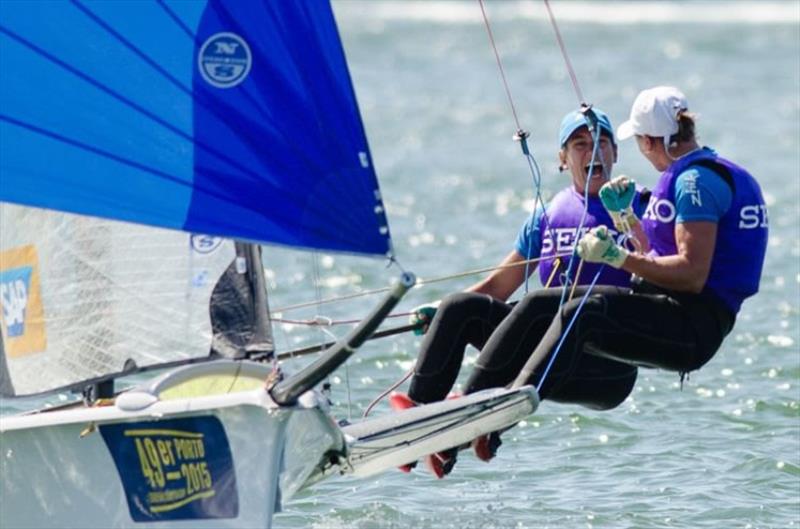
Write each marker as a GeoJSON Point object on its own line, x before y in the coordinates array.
{"type": "Point", "coordinates": [441, 463]}
{"type": "Point", "coordinates": [486, 446]}
{"type": "Point", "coordinates": [401, 401]}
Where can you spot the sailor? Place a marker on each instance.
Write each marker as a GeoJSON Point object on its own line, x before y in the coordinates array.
{"type": "Point", "coordinates": [506, 335]}
{"type": "Point", "coordinates": [704, 235]}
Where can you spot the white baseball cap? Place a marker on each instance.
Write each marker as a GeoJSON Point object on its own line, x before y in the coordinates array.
{"type": "Point", "coordinates": [654, 113]}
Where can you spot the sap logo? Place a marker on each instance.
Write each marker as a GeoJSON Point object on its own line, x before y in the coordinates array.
{"type": "Point", "coordinates": [224, 60]}
{"type": "Point", "coordinates": [660, 209]}
{"type": "Point", "coordinates": [753, 216]}
{"type": "Point", "coordinates": [14, 288]}
{"type": "Point", "coordinates": [205, 243]}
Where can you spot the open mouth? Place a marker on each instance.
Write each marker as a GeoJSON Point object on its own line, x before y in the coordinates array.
{"type": "Point", "coordinates": [595, 170]}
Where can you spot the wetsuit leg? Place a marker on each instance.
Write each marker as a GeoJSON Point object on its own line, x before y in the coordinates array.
{"type": "Point", "coordinates": [461, 319]}
{"type": "Point", "coordinates": [652, 330]}
{"type": "Point", "coordinates": [509, 347]}
{"type": "Point", "coordinates": [593, 382]}
{"type": "Point", "coordinates": [597, 383]}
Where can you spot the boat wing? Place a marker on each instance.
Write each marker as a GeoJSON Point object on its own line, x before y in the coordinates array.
{"type": "Point", "coordinates": [392, 440]}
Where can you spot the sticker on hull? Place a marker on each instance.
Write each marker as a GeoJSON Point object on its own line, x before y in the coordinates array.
{"type": "Point", "coordinates": [176, 469]}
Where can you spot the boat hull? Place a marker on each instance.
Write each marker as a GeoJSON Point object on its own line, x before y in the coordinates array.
{"type": "Point", "coordinates": [222, 463]}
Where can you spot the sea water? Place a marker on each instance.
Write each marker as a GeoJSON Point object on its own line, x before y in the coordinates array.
{"type": "Point", "coordinates": [723, 451]}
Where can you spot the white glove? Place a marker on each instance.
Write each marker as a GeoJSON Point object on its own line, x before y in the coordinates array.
{"type": "Point", "coordinates": [597, 246]}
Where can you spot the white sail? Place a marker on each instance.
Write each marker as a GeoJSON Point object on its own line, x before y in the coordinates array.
{"type": "Point", "coordinates": [82, 296]}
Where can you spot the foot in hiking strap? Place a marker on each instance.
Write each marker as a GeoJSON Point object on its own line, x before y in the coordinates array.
{"type": "Point", "coordinates": [398, 402]}
{"type": "Point", "coordinates": [485, 446]}
{"type": "Point", "coordinates": [441, 463]}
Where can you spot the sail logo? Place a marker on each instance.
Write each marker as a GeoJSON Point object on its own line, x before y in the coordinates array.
{"type": "Point", "coordinates": [224, 60]}
{"type": "Point", "coordinates": [14, 286]}
{"type": "Point", "coordinates": [21, 312]}
{"type": "Point", "coordinates": [205, 243]}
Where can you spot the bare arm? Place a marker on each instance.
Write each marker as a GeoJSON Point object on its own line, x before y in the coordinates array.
{"type": "Point", "coordinates": [685, 271]}
{"type": "Point", "coordinates": [501, 283]}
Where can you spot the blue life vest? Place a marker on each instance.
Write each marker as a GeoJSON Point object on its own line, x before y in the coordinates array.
{"type": "Point", "coordinates": [741, 232]}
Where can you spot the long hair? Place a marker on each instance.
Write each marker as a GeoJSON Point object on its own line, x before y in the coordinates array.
{"type": "Point", "coordinates": [685, 129]}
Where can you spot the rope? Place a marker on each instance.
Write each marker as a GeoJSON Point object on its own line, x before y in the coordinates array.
{"type": "Point", "coordinates": [386, 392]}
{"type": "Point", "coordinates": [521, 136]}
{"type": "Point", "coordinates": [564, 54]}
{"type": "Point", "coordinates": [420, 283]}
{"type": "Point", "coordinates": [569, 327]}
{"type": "Point", "coordinates": [500, 66]}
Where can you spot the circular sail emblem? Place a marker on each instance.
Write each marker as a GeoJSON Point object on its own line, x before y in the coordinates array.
{"type": "Point", "coordinates": [205, 243]}
{"type": "Point", "coordinates": [224, 60]}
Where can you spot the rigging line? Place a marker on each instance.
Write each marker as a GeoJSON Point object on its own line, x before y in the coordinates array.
{"type": "Point", "coordinates": [391, 388]}
{"type": "Point", "coordinates": [561, 45]}
{"type": "Point", "coordinates": [500, 65]}
{"type": "Point", "coordinates": [586, 185]}
{"type": "Point", "coordinates": [420, 282]}
{"type": "Point", "coordinates": [521, 136]}
{"type": "Point", "coordinates": [569, 327]}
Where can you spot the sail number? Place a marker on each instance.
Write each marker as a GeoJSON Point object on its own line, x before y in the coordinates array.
{"type": "Point", "coordinates": [174, 467]}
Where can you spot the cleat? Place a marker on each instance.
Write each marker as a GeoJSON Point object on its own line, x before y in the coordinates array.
{"type": "Point", "coordinates": [485, 446]}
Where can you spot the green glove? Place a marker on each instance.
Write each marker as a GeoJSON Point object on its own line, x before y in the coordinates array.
{"type": "Point", "coordinates": [422, 316]}
{"type": "Point", "coordinates": [617, 197]}
{"type": "Point", "coordinates": [598, 246]}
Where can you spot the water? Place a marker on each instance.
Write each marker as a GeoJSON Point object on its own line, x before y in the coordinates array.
{"type": "Point", "coordinates": [722, 452]}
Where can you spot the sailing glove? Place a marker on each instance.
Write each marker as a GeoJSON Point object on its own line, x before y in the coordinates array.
{"type": "Point", "coordinates": [422, 317]}
{"type": "Point", "coordinates": [617, 197]}
{"type": "Point", "coordinates": [598, 246]}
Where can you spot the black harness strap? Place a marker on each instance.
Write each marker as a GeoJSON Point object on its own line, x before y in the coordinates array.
{"type": "Point", "coordinates": [719, 169]}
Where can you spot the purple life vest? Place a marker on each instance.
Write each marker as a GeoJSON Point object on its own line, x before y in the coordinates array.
{"type": "Point", "coordinates": [558, 227]}
{"type": "Point", "coordinates": [741, 232]}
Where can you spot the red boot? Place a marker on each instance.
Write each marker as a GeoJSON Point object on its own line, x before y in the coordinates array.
{"type": "Point", "coordinates": [399, 402]}
{"type": "Point", "coordinates": [441, 463]}
{"type": "Point", "coordinates": [486, 446]}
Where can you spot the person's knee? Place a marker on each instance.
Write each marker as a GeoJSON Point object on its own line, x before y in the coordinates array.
{"type": "Point", "coordinates": [462, 304]}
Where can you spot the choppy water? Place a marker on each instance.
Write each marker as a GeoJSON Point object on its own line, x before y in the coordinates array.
{"type": "Point", "coordinates": [724, 452]}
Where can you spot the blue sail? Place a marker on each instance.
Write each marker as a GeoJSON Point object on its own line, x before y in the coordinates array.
{"type": "Point", "coordinates": [235, 119]}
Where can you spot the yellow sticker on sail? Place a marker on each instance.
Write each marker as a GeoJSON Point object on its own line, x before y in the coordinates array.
{"type": "Point", "coordinates": [21, 311]}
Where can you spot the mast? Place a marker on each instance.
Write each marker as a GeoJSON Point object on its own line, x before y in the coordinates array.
{"type": "Point", "coordinates": [262, 345]}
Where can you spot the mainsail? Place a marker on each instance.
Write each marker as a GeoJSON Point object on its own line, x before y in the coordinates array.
{"type": "Point", "coordinates": [227, 119]}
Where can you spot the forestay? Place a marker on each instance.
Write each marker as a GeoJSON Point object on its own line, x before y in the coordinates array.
{"type": "Point", "coordinates": [231, 119]}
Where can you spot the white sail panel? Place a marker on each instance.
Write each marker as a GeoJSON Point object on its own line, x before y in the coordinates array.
{"type": "Point", "coordinates": [82, 296]}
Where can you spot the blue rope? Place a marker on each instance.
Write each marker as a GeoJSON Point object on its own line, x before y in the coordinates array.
{"type": "Point", "coordinates": [595, 152]}
{"type": "Point", "coordinates": [538, 201]}
{"type": "Point", "coordinates": [569, 327]}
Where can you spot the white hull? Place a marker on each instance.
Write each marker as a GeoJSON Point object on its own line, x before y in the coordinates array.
{"type": "Point", "coordinates": [53, 477]}
{"type": "Point", "coordinates": [156, 458]}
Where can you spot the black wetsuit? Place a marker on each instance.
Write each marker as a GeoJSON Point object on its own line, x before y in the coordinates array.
{"type": "Point", "coordinates": [680, 333]}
